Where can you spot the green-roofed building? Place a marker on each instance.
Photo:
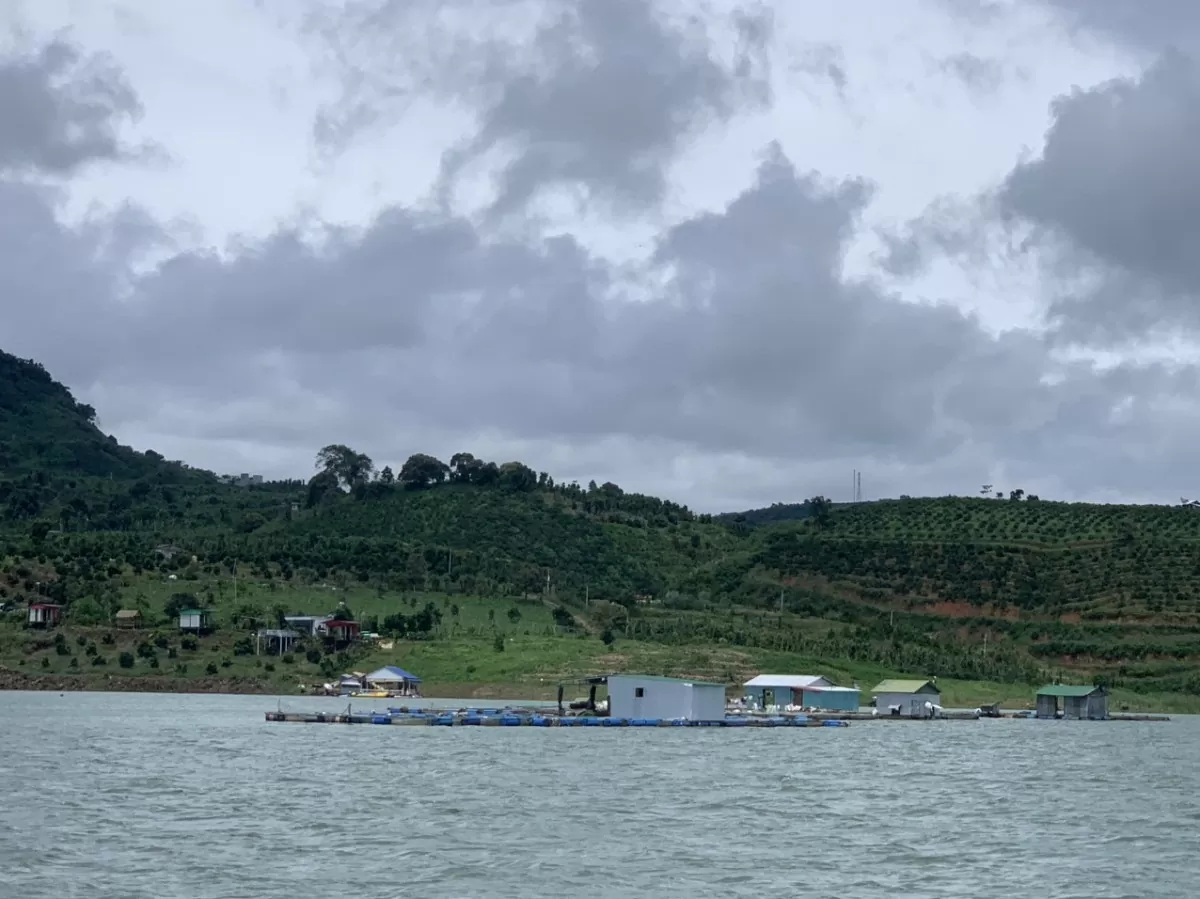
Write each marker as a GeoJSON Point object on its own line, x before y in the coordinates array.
{"type": "Point", "coordinates": [195, 621]}
{"type": "Point", "coordinates": [1072, 701]}
{"type": "Point", "coordinates": [907, 698]}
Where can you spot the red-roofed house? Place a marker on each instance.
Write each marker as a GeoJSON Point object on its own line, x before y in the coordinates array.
{"type": "Point", "coordinates": [342, 631]}
{"type": "Point", "coordinates": [44, 614]}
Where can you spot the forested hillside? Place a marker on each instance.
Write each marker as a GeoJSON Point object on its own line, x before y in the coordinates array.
{"type": "Point", "coordinates": [1015, 589]}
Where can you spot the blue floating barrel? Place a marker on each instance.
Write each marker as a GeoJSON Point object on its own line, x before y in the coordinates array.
{"type": "Point", "coordinates": [381, 719]}
{"type": "Point", "coordinates": [444, 720]}
{"type": "Point", "coordinates": [539, 721]}
{"type": "Point", "coordinates": [472, 719]}
{"type": "Point", "coordinates": [569, 722]}
{"type": "Point", "coordinates": [509, 721]}
{"type": "Point", "coordinates": [591, 722]}
{"type": "Point", "coordinates": [735, 722]}
{"type": "Point", "coordinates": [643, 722]}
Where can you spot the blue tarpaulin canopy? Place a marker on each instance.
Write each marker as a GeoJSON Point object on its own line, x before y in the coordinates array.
{"type": "Point", "coordinates": [390, 674]}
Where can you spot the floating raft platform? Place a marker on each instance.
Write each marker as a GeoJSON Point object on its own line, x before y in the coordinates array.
{"type": "Point", "coordinates": [469, 719]}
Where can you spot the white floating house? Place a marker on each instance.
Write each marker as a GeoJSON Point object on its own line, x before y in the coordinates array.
{"type": "Point", "coordinates": [664, 698]}
{"type": "Point", "coordinates": [907, 698]}
{"type": "Point", "coordinates": [809, 691]}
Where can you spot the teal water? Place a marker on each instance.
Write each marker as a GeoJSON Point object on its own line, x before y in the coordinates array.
{"type": "Point", "coordinates": [137, 796]}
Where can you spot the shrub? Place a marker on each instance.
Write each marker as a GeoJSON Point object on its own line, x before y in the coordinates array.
{"type": "Point", "coordinates": [210, 668]}
{"type": "Point", "coordinates": [99, 660]}
{"type": "Point", "coordinates": [498, 643]}
{"type": "Point", "coordinates": [288, 659]}
{"type": "Point", "coordinates": [189, 642]}
{"type": "Point", "coordinates": [153, 662]}
{"type": "Point", "coordinates": [172, 653]}
{"type": "Point", "coordinates": [225, 663]}
{"type": "Point", "coordinates": [243, 647]}
{"type": "Point", "coordinates": [45, 662]}
{"type": "Point", "coordinates": [74, 663]}
{"type": "Point", "coordinates": [62, 648]}
{"type": "Point", "coordinates": [269, 666]}
{"type": "Point", "coordinates": [81, 640]}
{"type": "Point", "coordinates": [162, 641]}
{"type": "Point", "coordinates": [125, 660]}
{"type": "Point", "coordinates": [313, 656]}
{"type": "Point", "coordinates": [107, 639]}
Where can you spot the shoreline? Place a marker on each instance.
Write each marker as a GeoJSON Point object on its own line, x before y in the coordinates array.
{"type": "Point", "coordinates": [18, 681]}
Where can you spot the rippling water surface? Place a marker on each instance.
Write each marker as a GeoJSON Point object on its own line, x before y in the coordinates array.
{"type": "Point", "coordinates": [130, 796]}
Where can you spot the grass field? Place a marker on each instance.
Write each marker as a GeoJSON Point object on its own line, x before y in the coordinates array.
{"type": "Point", "coordinates": [482, 647]}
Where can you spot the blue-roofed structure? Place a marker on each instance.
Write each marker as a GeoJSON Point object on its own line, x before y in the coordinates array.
{"type": "Point", "coordinates": [390, 675]}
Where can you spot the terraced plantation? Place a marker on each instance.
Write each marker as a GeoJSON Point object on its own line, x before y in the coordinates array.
{"type": "Point", "coordinates": [492, 575]}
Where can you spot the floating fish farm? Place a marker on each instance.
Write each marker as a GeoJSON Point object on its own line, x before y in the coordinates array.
{"type": "Point", "coordinates": [524, 718]}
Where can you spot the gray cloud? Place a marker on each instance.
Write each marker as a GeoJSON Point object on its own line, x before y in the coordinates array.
{"type": "Point", "coordinates": [596, 96]}
{"type": "Point", "coordinates": [1114, 194]}
{"type": "Point", "coordinates": [739, 334]}
{"type": "Point", "coordinates": [754, 343]}
{"type": "Point", "coordinates": [976, 72]}
{"type": "Point", "coordinates": [1153, 25]}
{"type": "Point", "coordinates": [62, 109]}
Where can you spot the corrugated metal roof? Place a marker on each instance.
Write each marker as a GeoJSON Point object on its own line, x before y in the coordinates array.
{"type": "Point", "coordinates": [1061, 690]}
{"type": "Point", "coordinates": [129, 613]}
{"type": "Point", "coordinates": [904, 686]}
{"type": "Point", "coordinates": [673, 680]}
{"type": "Point", "coordinates": [193, 611]}
{"type": "Point", "coordinates": [795, 681]}
{"type": "Point", "coordinates": [390, 673]}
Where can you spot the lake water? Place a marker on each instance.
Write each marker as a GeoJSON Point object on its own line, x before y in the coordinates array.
{"type": "Point", "coordinates": [134, 796]}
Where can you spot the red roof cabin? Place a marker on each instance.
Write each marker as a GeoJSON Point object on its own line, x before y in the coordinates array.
{"type": "Point", "coordinates": [44, 614]}
{"type": "Point", "coordinates": [342, 631]}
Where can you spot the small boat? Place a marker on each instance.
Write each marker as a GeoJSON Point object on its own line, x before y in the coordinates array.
{"type": "Point", "coordinates": [371, 694]}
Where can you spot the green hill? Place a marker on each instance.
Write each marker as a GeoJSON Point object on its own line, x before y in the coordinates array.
{"type": "Point", "coordinates": [59, 471]}
{"type": "Point", "coordinates": [492, 571]}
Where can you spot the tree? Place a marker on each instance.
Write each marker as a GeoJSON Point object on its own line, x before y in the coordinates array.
{"type": "Point", "coordinates": [818, 510]}
{"type": "Point", "coordinates": [517, 476]}
{"type": "Point", "coordinates": [386, 476]}
{"type": "Point", "coordinates": [324, 484]}
{"type": "Point", "coordinates": [177, 603]}
{"type": "Point", "coordinates": [1016, 495]}
{"type": "Point", "coordinates": [348, 466]}
{"type": "Point", "coordinates": [422, 471]}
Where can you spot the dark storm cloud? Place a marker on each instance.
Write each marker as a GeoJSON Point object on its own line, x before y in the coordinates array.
{"type": "Point", "coordinates": [753, 342]}
{"type": "Point", "coordinates": [61, 109]}
{"type": "Point", "coordinates": [597, 96]}
{"type": "Point", "coordinates": [1114, 195]}
{"type": "Point", "coordinates": [740, 333]}
{"type": "Point", "coordinates": [1107, 208]}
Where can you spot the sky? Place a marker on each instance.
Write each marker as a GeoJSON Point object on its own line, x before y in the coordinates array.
{"type": "Point", "coordinates": [722, 252]}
